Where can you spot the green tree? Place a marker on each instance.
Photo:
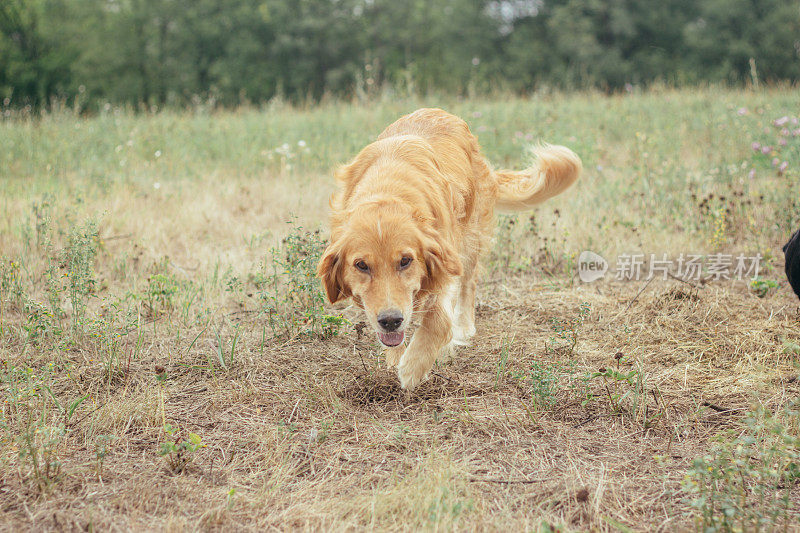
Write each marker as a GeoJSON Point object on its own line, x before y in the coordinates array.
{"type": "Point", "coordinates": [34, 57]}
{"type": "Point", "coordinates": [726, 34]}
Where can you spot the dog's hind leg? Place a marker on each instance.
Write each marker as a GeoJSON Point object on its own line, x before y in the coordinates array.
{"type": "Point", "coordinates": [451, 300]}
{"type": "Point", "coordinates": [464, 327]}
{"type": "Point", "coordinates": [464, 313]}
{"type": "Point", "coordinates": [430, 338]}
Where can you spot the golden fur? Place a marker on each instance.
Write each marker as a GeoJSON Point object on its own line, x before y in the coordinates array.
{"type": "Point", "coordinates": [413, 215]}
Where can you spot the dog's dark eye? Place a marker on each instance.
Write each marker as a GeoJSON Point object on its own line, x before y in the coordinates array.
{"type": "Point", "coordinates": [404, 262]}
{"type": "Point", "coordinates": [362, 266]}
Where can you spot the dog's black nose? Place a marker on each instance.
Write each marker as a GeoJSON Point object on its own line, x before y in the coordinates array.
{"type": "Point", "coordinates": [390, 320]}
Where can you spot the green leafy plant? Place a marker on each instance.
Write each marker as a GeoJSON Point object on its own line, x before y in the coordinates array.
{"type": "Point", "coordinates": [39, 321]}
{"type": "Point", "coordinates": [102, 447]}
{"type": "Point", "coordinates": [761, 287]}
{"type": "Point", "coordinates": [106, 332]}
{"type": "Point", "coordinates": [78, 260]}
{"type": "Point", "coordinates": [160, 294]}
{"type": "Point", "coordinates": [544, 379]}
{"type": "Point", "coordinates": [745, 482]}
{"type": "Point", "coordinates": [10, 284]}
{"type": "Point", "coordinates": [566, 331]}
{"type": "Point", "coordinates": [290, 291]}
{"type": "Point", "coordinates": [36, 419]}
{"type": "Point", "coordinates": [178, 451]}
{"type": "Point", "coordinates": [617, 385]}
{"type": "Point", "coordinates": [627, 393]}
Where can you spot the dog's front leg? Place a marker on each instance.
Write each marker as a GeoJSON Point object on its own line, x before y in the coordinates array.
{"type": "Point", "coordinates": [432, 335]}
{"type": "Point", "coordinates": [393, 355]}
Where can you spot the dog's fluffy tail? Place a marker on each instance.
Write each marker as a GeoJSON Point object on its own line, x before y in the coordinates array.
{"type": "Point", "coordinates": [555, 168]}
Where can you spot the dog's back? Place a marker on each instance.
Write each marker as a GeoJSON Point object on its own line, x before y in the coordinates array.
{"type": "Point", "coordinates": [456, 154]}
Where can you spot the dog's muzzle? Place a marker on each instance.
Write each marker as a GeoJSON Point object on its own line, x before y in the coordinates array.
{"type": "Point", "coordinates": [390, 322]}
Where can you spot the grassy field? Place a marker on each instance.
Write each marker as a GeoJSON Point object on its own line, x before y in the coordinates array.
{"type": "Point", "coordinates": [168, 362]}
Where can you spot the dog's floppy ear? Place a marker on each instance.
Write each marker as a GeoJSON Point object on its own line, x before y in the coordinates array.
{"type": "Point", "coordinates": [441, 261]}
{"type": "Point", "coordinates": [330, 272]}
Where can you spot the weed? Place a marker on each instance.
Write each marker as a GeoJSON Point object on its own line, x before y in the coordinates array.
{"type": "Point", "coordinates": [221, 354]}
{"type": "Point", "coordinates": [745, 482]}
{"type": "Point", "coordinates": [400, 433]}
{"type": "Point", "coordinates": [544, 379]}
{"type": "Point", "coordinates": [719, 223]}
{"type": "Point", "coordinates": [282, 157]}
{"type": "Point", "coordinates": [102, 447]}
{"type": "Point", "coordinates": [502, 361]}
{"type": "Point", "coordinates": [627, 393]}
{"type": "Point", "coordinates": [617, 385]}
{"type": "Point", "coordinates": [320, 435]}
{"type": "Point", "coordinates": [178, 451]}
{"type": "Point", "coordinates": [108, 338]}
{"type": "Point", "coordinates": [521, 246]}
{"type": "Point", "coordinates": [10, 284]}
{"type": "Point", "coordinates": [39, 321]}
{"type": "Point", "coordinates": [291, 294]}
{"type": "Point", "coordinates": [78, 260]}
{"type": "Point", "coordinates": [762, 287]}
{"type": "Point", "coordinates": [566, 331]}
{"type": "Point", "coordinates": [160, 294]}
{"type": "Point", "coordinates": [505, 256]}
{"type": "Point", "coordinates": [791, 347]}
{"type": "Point", "coordinates": [36, 419]}
{"type": "Point", "coordinates": [446, 508]}
{"type": "Point", "coordinates": [286, 429]}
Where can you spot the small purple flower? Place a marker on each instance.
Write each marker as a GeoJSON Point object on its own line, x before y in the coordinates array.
{"type": "Point", "coordinates": [782, 168]}
{"type": "Point", "coordinates": [796, 133]}
{"type": "Point", "coordinates": [784, 131]}
{"type": "Point", "coordinates": [752, 173]}
{"type": "Point", "coordinates": [766, 149]}
{"type": "Point", "coordinates": [780, 121]}
{"type": "Point", "coordinates": [741, 111]}
{"type": "Point", "coordinates": [775, 161]}
{"type": "Point", "coordinates": [782, 142]}
{"type": "Point", "coordinates": [756, 146]}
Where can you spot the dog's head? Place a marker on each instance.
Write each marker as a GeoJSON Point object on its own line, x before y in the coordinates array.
{"type": "Point", "coordinates": [383, 257]}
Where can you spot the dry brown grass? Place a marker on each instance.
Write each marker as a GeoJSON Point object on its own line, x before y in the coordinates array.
{"type": "Point", "coordinates": [317, 434]}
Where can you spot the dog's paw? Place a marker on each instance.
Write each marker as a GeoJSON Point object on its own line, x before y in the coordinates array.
{"type": "Point", "coordinates": [461, 335]}
{"type": "Point", "coordinates": [393, 355]}
{"type": "Point", "coordinates": [411, 374]}
{"type": "Point", "coordinates": [447, 353]}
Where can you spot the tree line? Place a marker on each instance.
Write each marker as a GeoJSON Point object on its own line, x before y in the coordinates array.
{"type": "Point", "coordinates": [173, 52]}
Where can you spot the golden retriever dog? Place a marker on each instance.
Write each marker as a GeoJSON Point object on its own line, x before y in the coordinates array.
{"type": "Point", "coordinates": [414, 213]}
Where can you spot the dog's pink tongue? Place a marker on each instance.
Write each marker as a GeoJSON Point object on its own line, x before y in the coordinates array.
{"type": "Point", "coordinates": [392, 339]}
